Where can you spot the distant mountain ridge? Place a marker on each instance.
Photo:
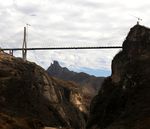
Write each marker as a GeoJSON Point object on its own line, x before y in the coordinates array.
{"type": "Point", "coordinates": [90, 82]}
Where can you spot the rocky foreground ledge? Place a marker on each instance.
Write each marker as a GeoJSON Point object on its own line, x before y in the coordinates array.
{"type": "Point", "coordinates": [124, 100]}
{"type": "Point", "coordinates": [30, 99]}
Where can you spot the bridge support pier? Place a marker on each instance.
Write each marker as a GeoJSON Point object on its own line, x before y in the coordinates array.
{"type": "Point", "coordinates": [24, 46]}
{"type": "Point", "coordinates": [11, 52]}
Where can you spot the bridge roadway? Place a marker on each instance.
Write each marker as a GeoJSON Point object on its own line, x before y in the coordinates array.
{"type": "Point", "coordinates": [61, 48]}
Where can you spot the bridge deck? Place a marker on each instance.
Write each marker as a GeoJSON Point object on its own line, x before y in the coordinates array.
{"type": "Point", "coordinates": [62, 48]}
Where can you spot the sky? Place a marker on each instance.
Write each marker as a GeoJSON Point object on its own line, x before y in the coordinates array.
{"type": "Point", "coordinates": [71, 23]}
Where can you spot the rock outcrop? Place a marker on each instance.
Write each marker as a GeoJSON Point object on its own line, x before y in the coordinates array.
{"type": "Point", "coordinates": [30, 99]}
{"type": "Point", "coordinates": [124, 99]}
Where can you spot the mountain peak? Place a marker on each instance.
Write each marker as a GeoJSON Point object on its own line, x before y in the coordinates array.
{"type": "Point", "coordinates": [55, 63]}
{"type": "Point", "coordinates": [137, 32]}
{"type": "Point", "coordinates": [137, 41]}
{"type": "Point", "coordinates": [55, 68]}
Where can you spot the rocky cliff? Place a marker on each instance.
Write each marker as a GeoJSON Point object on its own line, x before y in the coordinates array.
{"type": "Point", "coordinates": [30, 99]}
{"type": "Point", "coordinates": [124, 99]}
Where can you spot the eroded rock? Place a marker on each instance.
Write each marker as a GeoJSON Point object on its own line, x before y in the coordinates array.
{"type": "Point", "coordinates": [124, 100]}
{"type": "Point", "coordinates": [28, 93]}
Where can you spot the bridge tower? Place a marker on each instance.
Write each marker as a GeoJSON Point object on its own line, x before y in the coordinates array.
{"type": "Point", "coordinates": [24, 46]}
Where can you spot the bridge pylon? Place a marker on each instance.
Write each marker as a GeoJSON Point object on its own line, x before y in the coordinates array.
{"type": "Point", "coordinates": [24, 46]}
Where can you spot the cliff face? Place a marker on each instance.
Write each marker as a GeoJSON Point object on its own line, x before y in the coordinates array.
{"type": "Point", "coordinates": [29, 98]}
{"type": "Point", "coordinates": [124, 100]}
{"type": "Point", "coordinates": [70, 91]}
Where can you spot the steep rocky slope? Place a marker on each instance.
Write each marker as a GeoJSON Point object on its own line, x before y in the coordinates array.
{"type": "Point", "coordinates": [30, 99]}
{"type": "Point", "coordinates": [90, 84]}
{"type": "Point", "coordinates": [124, 100]}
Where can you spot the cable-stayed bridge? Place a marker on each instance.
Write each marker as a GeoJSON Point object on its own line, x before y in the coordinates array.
{"type": "Point", "coordinates": [24, 48]}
